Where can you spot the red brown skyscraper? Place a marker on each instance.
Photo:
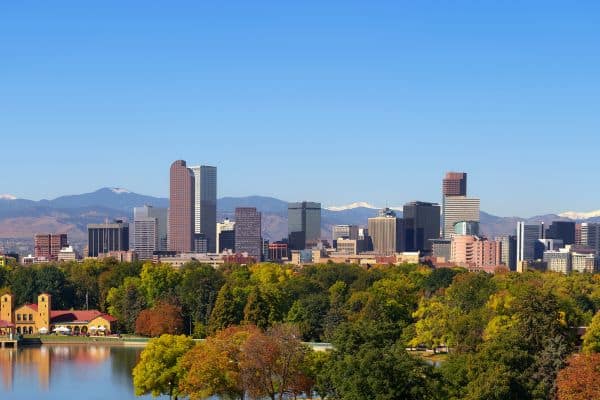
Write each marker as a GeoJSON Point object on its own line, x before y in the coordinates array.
{"type": "Point", "coordinates": [181, 208]}
{"type": "Point", "coordinates": [455, 184]}
{"type": "Point", "coordinates": [48, 245]}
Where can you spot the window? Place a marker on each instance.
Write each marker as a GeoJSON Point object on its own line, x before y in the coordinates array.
{"type": "Point", "coordinates": [31, 317]}
{"type": "Point", "coordinates": [18, 317]}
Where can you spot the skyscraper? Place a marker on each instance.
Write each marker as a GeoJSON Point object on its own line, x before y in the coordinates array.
{"type": "Point", "coordinates": [49, 245]}
{"type": "Point", "coordinates": [590, 236]}
{"type": "Point", "coordinates": [149, 231]}
{"type": "Point", "coordinates": [248, 227]}
{"type": "Point", "coordinates": [421, 223]}
{"type": "Point", "coordinates": [563, 230]}
{"type": "Point", "coordinates": [458, 209]}
{"type": "Point", "coordinates": [304, 225]}
{"type": "Point", "coordinates": [385, 231]}
{"type": "Point", "coordinates": [107, 237]}
{"type": "Point", "coordinates": [225, 235]}
{"type": "Point", "coordinates": [508, 247]}
{"type": "Point", "coordinates": [205, 204]}
{"type": "Point", "coordinates": [527, 238]}
{"type": "Point", "coordinates": [181, 208]}
{"type": "Point", "coordinates": [455, 184]}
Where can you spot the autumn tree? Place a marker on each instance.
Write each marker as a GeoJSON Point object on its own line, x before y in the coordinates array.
{"type": "Point", "coordinates": [579, 379]}
{"type": "Point", "coordinates": [273, 363]}
{"type": "Point", "coordinates": [158, 372]}
{"type": "Point", "coordinates": [126, 302]}
{"type": "Point", "coordinates": [591, 339]}
{"type": "Point", "coordinates": [163, 318]}
{"type": "Point", "coordinates": [213, 366]}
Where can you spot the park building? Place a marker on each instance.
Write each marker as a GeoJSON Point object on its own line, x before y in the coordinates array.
{"type": "Point", "coordinates": [40, 318]}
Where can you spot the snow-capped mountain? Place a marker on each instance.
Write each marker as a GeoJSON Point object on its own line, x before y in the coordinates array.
{"type": "Point", "coordinates": [7, 197]}
{"type": "Point", "coordinates": [352, 206]}
{"type": "Point", "coordinates": [119, 190]}
{"type": "Point", "coordinates": [574, 215]}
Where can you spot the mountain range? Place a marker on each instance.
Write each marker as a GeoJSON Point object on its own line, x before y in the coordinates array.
{"type": "Point", "coordinates": [20, 218]}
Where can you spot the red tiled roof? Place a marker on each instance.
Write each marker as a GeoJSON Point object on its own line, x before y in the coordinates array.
{"type": "Point", "coordinates": [65, 316]}
{"type": "Point", "coordinates": [6, 324]}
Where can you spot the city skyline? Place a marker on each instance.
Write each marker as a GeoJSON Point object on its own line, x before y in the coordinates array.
{"type": "Point", "coordinates": [87, 95]}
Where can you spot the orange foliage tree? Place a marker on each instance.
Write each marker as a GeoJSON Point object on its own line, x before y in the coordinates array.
{"type": "Point", "coordinates": [579, 380]}
{"type": "Point", "coordinates": [163, 318]}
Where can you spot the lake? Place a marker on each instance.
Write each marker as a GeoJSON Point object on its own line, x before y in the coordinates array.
{"type": "Point", "coordinates": [65, 372]}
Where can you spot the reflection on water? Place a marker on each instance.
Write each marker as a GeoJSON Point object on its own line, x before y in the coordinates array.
{"type": "Point", "coordinates": [68, 372]}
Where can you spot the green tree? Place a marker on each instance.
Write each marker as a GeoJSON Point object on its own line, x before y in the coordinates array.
{"type": "Point", "coordinates": [308, 314]}
{"type": "Point", "coordinates": [591, 339]}
{"type": "Point", "coordinates": [158, 372]}
{"type": "Point", "coordinates": [228, 310]}
{"type": "Point", "coordinates": [257, 309]}
{"type": "Point", "coordinates": [126, 302]}
{"type": "Point", "coordinates": [159, 282]}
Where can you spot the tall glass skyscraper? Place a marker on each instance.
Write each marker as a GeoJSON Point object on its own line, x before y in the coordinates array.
{"type": "Point", "coordinates": [304, 225]}
{"type": "Point", "coordinates": [421, 223]}
{"type": "Point", "coordinates": [205, 204]}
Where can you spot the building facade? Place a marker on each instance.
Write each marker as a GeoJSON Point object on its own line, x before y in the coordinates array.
{"type": "Point", "coordinates": [47, 246]}
{"type": "Point", "coordinates": [304, 225]}
{"type": "Point", "coordinates": [107, 237]}
{"type": "Point", "coordinates": [421, 222]}
{"type": "Point", "coordinates": [454, 184]}
{"type": "Point", "coordinates": [248, 225]}
{"type": "Point", "coordinates": [474, 252]}
{"type": "Point", "coordinates": [181, 208]}
{"type": "Point", "coordinates": [527, 238]}
{"type": "Point", "coordinates": [205, 204]}
{"type": "Point", "coordinates": [149, 231]}
{"type": "Point", "coordinates": [225, 235]}
{"type": "Point", "coordinates": [458, 209]}
{"type": "Point", "coordinates": [385, 232]}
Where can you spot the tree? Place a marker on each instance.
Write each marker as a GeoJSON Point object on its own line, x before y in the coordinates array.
{"type": "Point", "coordinates": [163, 318]}
{"type": "Point", "coordinates": [273, 364]}
{"type": "Point", "coordinates": [213, 366]}
{"type": "Point", "coordinates": [158, 282]}
{"type": "Point", "coordinates": [126, 302]}
{"type": "Point", "coordinates": [308, 314]}
{"type": "Point", "coordinates": [591, 339]}
{"type": "Point", "coordinates": [579, 380]}
{"type": "Point", "coordinates": [257, 309]}
{"type": "Point", "coordinates": [229, 309]}
{"type": "Point", "coordinates": [24, 284]}
{"type": "Point", "coordinates": [158, 372]}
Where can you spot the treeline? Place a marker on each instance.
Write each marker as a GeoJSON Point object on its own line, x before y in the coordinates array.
{"type": "Point", "coordinates": [508, 335]}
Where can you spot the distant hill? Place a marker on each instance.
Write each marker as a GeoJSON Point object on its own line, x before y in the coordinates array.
{"type": "Point", "coordinates": [20, 218]}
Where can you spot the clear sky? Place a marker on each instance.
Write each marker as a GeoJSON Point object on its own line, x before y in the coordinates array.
{"type": "Point", "coordinates": [319, 100]}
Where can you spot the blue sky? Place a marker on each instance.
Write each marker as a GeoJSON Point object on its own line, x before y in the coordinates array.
{"type": "Point", "coordinates": [328, 101]}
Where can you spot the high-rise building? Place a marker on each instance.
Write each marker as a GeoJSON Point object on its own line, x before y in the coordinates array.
{"type": "Point", "coordinates": [455, 184]}
{"type": "Point", "coordinates": [508, 251]}
{"type": "Point", "coordinates": [344, 232]}
{"type": "Point", "coordinates": [225, 235]}
{"type": "Point", "coordinates": [205, 204]}
{"type": "Point", "coordinates": [563, 230]}
{"type": "Point", "coordinates": [107, 237]}
{"type": "Point", "coordinates": [149, 231]}
{"type": "Point", "coordinates": [590, 236]}
{"type": "Point", "coordinates": [466, 228]}
{"type": "Point", "coordinates": [248, 227]}
{"type": "Point", "coordinates": [385, 231]}
{"type": "Point", "coordinates": [304, 225]}
{"type": "Point", "coordinates": [47, 246]}
{"type": "Point", "coordinates": [543, 245]}
{"type": "Point", "coordinates": [527, 237]}
{"type": "Point", "coordinates": [458, 209]}
{"type": "Point", "coordinates": [474, 252]}
{"type": "Point", "coordinates": [558, 260]}
{"type": "Point", "coordinates": [421, 224]}
{"type": "Point", "coordinates": [181, 208]}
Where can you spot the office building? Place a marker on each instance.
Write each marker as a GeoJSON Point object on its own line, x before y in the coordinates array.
{"type": "Point", "coordinates": [205, 206]}
{"type": "Point", "coordinates": [508, 251]}
{"type": "Point", "coordinates": [248, 237]}
{"type": "Point", "coordinates": [225, 235]}
{"type": "Point", "coordinates": [527, 238]}
{"type": "Point", "coordinates": [344, 232]}
{"type": "Point", "coordinates": [347, 246]}
{"type": "Point", "coordinates": [584, 262]}
{"type": "Point", "coordinates": [181, 208]}
{"type": "Point", "coordinates": [558, 260]}
{"type": "Point", "coordinates": [466, 228]}
{"type": "Point", "coordinates": [474, 252]}
{"type": "Point", "coordinates": [47, 246]}
{"type": "Point", "coordinates": [563, 230]}
{"type": "Point", "coordinates": [149, 231]}
{"type": "Point", "coordinates": [278, 251]}
{"type": "Point", "coordinates": [67, 254]}
{"type": "Point", "coordinates": [458, 209]}
{"type": "Point", "coordinates": [440, 250]}
{"type": "Point", "coordinates": [421, 223]}
{"type": "Point", "coordinates": [543, 245]}
{"type": "Point", "coordinates": [304, 225]}
{"type": "Point", "coordinates": [454, 184]}
{"type": "Point", "coordinates": [590, 236]}
{"type": "Point", "coordinates": [386, 231]}
{"type": "Point", "coordinates": [107, 237]}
